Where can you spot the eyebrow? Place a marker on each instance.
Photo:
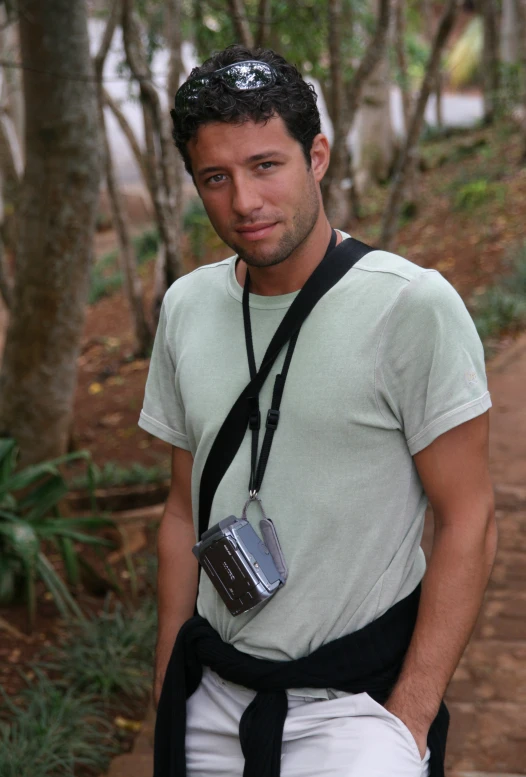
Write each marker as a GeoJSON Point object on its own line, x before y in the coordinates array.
{"type": "Point", "coordinates": [248, 161]}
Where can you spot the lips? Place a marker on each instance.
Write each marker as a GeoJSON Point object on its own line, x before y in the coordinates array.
{"type": "Point", "coordinates": [256, 231]}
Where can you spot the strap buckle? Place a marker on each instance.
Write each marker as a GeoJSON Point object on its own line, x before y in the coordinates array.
{"type": "Point", "coordinates": [272, 419]}
{"type": "Point", "coordinates": [254, 418]}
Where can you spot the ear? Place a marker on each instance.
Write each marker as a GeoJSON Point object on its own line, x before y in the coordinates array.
{"type": "Point", "coordinates": [320, 155]}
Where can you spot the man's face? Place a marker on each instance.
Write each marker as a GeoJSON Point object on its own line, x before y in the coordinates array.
{"type": "Point", "coordinates": [260, 196]}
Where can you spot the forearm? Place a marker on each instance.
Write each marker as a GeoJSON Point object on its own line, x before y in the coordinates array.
{"type": "Point", "coordinates": [176, 585]}
{"type": "Point", "coordinates": [452, 592]}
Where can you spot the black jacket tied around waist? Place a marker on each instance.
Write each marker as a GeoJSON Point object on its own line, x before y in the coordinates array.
{"type": "Point", "coordinates": [368, 660]}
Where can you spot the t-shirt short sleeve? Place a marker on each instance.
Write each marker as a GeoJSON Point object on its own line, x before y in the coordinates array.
{"type": "Point", "coordinates": [430, 374]}
{"type": "Point", "coordinates": [162, 413]}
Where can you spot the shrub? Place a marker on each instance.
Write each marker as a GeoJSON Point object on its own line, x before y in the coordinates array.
{"type": "Point", "coordinates": [476, 193]}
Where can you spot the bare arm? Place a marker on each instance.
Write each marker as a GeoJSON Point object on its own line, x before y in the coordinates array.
{"type": "Point", "coordinates": [454, 473]}
{"type": "Point", "coordinates": [177, 574]}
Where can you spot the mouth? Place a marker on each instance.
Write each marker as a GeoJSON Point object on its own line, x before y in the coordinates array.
{"type": "Point", "coordinates": [256, 231]}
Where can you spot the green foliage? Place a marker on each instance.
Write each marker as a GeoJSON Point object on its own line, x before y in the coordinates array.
{"type": "Point", "coordinates": [200, 232]}
{"type": "Point", "coordinates": [29, 515]}
{"type": "Point", "coordinates": [53, 732]}
{"type": "Point", "coordinates": [477, 193]}
{"type": "Point", "coordinates": [106, 277]}
{"type": "Point", "coordinates": [502, 308]}
{"type": "Point", "coordinates": [110, 653]}
{"type": "Point", "coordinates": [113, 474]}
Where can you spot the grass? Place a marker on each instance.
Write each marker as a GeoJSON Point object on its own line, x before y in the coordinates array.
{"type": "Point", "coordinates": [109, 654]}
{"type": "Point", "coordinates": [52, 731]}
{"type": "Point", "coordinates": [56, 727]}
{"type": "Point", "coordinates": [475, 194]}
{"type": "Point", "coordinates": [502, 308]}
{"type": "Point", "coordinates": [113, 474]}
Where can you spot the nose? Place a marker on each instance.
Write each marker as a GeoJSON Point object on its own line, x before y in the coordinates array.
{"type": "Point", "coordinates": [246, 199]}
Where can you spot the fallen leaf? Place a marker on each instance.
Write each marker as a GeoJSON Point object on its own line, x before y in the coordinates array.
{"type": "Point", "coordinates": [95, 388]}
{"type": "Point", "coordinates": [127, 725]}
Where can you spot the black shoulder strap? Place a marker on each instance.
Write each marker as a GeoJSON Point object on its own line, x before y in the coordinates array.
{"type": "Point", "coordinates": [230, 436]}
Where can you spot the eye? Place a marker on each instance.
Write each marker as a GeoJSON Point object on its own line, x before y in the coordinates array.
{"type": "Point", "coordinates": [218, 178]}
{"type": "Point", "coordinates": [267, 165]}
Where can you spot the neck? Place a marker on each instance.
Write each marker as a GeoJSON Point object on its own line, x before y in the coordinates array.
{"type": "Point", "coordinates": [291, 274]}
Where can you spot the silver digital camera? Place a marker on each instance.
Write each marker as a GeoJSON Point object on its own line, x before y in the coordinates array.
{"type": "Point", "coordinates": [243, 568]}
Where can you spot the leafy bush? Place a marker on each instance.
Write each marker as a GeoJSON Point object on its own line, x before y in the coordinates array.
{"type": "Point", "coordinates": [106, 277]}
{"type": "Point", "coordinates": [503, 306]}
{"type": "Point", "coordinates": [109, 653]}
{"type": "Point", "coordinates": [113, 474]}
{"type": "Point", "coordinates": [476, 193]}
{"type": "Point", "coordinates": [29, 514]}
{"type": "Point", "coordinates": [53, 731]}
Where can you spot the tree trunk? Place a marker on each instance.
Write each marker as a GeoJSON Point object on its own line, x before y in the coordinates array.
{"type": "Point", "coordinates": [521, 16]}
{"type": "Point", "coordinates": [406, 164]}
{"type": "Point", "coordinates": [339, 172]}
{"type": "Point", "coordinates": [57, 214]}
{"type": "Point", "coordinates": [129, 135]}
{"type": "Point", "coordinates": [241, 25]}
{"type": "Point", "coordinates": [158, 146]}
{"type": "Point", "coordinates": [399, 32]}
{"type": "Point", "coordinates": [264, 23]}
{"type": "Point", "coordinates": [490, 60]}
{"type": "Point", "coordinates": [509, 37]}
{"type": "Point", "coordinates": [127, 257]}
{"type": "Point", "coordinates": [377, 143]}
{"type": "Point", "coordinates": [335, 196]}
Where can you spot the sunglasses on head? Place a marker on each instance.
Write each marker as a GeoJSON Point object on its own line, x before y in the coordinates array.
{"type": "Point", "coordinates": [239, 77]}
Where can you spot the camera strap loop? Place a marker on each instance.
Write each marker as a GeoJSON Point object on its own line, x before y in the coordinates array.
{"type": "Point", "coordinates": [257, 469]}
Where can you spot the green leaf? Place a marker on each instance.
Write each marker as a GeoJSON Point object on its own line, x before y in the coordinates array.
{"type": "Point", "coordinates": [56, 587]}
{"type": "Point", "coordinates": [23, 540]}
{"type": "Point", "coordinates": [9, 569]}
{"type": "Point", "coordinates": [69, 556]}
{"type": "Point", "coordinates": [43, 498]}
{"type": "Point", "coordinates": [8, 454]}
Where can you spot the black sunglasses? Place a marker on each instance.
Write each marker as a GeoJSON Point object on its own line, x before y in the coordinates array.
{"type": "Point", "coordinates": [240, 77]}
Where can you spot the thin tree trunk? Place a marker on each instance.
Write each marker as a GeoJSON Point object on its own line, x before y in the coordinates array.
{"type": "Point", "coordinates": [174, 40]}
{"type": "Point", "coordinates": [521, 16]}
{"type": "Point", "coordinates": [399, 44]}
{"type": "Point", "coordinates": [159, 173]}
{"type": "Point", "coordinates": [406, 163]}
{"type": "Point", "coordinates": [490, 60]}
{"type": "Point", "coordinates": [509, 37]}
{"type": "Point", "coordinates": [336, 202]}
{"type": "Point", "coordinates": [129, 135]}
{"type": "Point", "coordinates": [241, 25]}
{"type": "Point", "coordinates": [57, 215]}
{"type": "Point", "coordinates": [127, 257]}
{"type": "Point", "coordinates": [264, 23]}
{"type": "Point", "coordinates": [340, 167]}
{"type": "Point", "coordinates": [6, 282]}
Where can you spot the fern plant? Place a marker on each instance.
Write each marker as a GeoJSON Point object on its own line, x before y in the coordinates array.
{"type": "Point", "coordinates": [29, 515]}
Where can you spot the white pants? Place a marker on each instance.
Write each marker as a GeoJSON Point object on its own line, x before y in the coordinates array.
{"type": "Point", "coordinates": [352, 736]}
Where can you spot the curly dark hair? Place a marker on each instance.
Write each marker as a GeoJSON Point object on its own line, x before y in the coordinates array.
{"type": "Point", "coordinates": [292, 99]}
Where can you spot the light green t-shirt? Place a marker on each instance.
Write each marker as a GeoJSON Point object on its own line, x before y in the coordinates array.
{"type": "Point", "coordinates": [387, 361]}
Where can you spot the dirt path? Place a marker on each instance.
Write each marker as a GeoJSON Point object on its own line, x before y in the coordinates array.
{"type": "Point", "coordinates": [487, 697]}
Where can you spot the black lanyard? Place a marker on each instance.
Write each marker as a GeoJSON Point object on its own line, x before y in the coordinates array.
{"type": "Point", "coordinates": [257, 469]}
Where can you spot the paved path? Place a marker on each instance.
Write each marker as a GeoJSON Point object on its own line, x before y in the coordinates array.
{"type": "Point", "coordinates": [487, 697]}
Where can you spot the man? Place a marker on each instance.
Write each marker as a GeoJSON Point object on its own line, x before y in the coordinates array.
{"type": "Point", "coordinates": [385, 406]}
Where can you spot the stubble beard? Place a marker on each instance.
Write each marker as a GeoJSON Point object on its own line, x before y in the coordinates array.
{"type": "Point", "coordinates": [303, 223]}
